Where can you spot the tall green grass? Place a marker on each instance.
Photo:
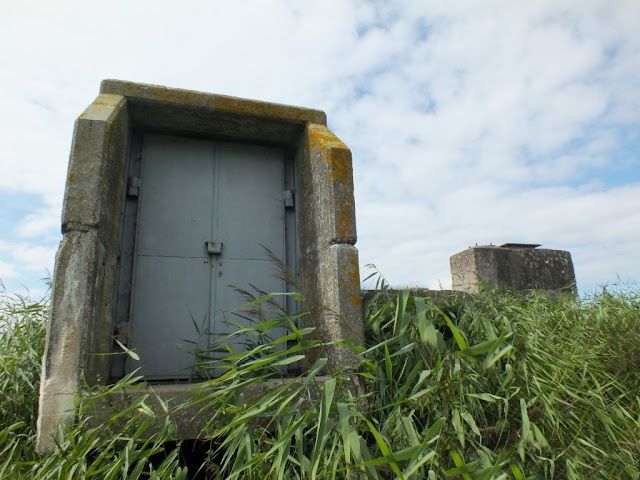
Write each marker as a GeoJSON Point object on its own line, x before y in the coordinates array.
{"type": "Point", "coordinates": [527, 386]}
{"type": "Point", "coordinates": [492, 386]}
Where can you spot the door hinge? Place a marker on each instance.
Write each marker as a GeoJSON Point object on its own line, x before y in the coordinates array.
{"type": "Point", "coordinates": [289, 198]}
{"type": "Point", "coordinates": [133, 187]}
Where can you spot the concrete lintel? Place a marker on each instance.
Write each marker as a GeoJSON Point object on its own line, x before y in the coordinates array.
{"type": "Point", "coordinates": [198, 113]}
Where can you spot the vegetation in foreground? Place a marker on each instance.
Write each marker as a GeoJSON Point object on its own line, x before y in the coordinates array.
{"type": "Point", "coordinates": [492, 387]}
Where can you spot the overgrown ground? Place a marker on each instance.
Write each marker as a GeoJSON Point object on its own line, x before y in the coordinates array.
{"type": "Point", "coordinates": [497, 386]}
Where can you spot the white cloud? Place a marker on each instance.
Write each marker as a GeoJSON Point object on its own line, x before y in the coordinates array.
{"type": "Point", "coordinates": [41, 223]}
{"type": "Point", "coordinates": [25, 257]}
{"type": "Point", "coordinates": [34, 258]}
{"type": "Point", "coordinates": [6, 272]}
{"type": "Point", "coordinates": [469, 121]}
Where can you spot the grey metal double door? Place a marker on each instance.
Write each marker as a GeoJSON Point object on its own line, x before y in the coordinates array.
{"type": "Point", "coordinates": [206, 212]}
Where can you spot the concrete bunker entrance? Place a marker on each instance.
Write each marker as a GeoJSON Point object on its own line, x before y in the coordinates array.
{"type": "Point", "coordinates": [130, 254]}
{"type": "Point", "coordinates": [205, 221]}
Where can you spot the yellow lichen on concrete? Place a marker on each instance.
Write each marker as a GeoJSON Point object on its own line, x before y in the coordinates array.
{"type": "Point", "coordinates": [103, 108]}
{"type": "Point", "coordinates": [339, 162]}
{"type": "Point", "coordinates": [213, 102]}
{"type": "Point", "coordinates": [356, 300]}
{"type": "Point", "coordinates": [344, 221]}
{"type": "Point", "coordinates": [353, 272]}
{"type": "Point", "coordinates": [323, 137]}
{"type": "Point", "coordinates": [351, 279]}
{"type": "Point", "coordinates": [332, 163]}
{"type": "Point", "coordinates": [333, 152]}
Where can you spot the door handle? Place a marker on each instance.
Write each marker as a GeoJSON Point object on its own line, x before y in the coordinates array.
{"type": "Point", "coordinates": [214, 248]}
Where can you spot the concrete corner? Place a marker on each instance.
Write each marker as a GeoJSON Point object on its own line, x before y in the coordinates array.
{"type": "Point", "coordinates": [96, 164]}
{"type": "Point", "coordinates": [72, 311]}
{"type": "Point", "coordinates": [327, 229]}
{"type": "Point", "coordinates": [464, 274]}
{"type": "Point", "coordinates": [328, 210]}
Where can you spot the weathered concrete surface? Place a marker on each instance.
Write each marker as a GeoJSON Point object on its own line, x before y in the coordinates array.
{"type": "Point", "coordinates": [156, 94]}
{"type": "Point", "coordinates": [339, 278]}
{"type": "Point", "coordinates": [72, 311]}
{"type": "Point", "coordinates": [96, 167]}
{"type": "Point", "coordinates": [94, 200]}
{"type": "Point", "coordinates": [329, 267]}
{"type": "Point", "coordinates": [186, 111]}
{"type": "Point", "coordinates": [512, 269]}
{"type": "Point", "coordinates": [187, 403]}
{"type": "Point", "coordinates": [85, 279]}
{"type": "Point", "coordinates": [81, 318]}
{"type": "Point", "coordinates": [325, 178]}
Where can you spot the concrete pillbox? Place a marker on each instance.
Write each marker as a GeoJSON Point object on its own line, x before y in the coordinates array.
{"type": "Point", "coordinates": [512, 267]}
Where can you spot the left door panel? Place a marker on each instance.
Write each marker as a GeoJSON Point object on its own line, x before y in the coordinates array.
{"type": "Point", "coordinates": [171, 288]}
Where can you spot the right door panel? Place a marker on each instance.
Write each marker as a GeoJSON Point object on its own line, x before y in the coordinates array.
{"type": "Point", "coordinates": [250, 222]}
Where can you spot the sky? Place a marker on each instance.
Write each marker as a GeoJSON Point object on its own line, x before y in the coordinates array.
{"type": "Point", "coordinates": [470, 122]}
